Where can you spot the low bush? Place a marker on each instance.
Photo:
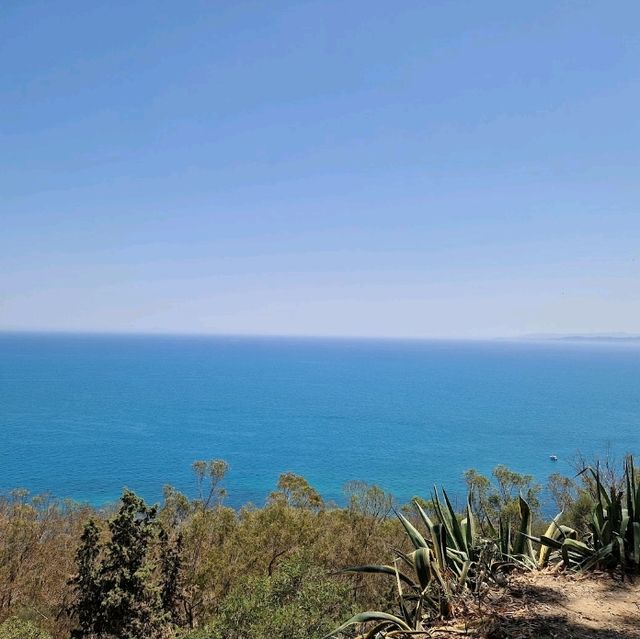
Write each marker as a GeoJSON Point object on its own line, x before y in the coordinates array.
{"type": "Point", "coordinates": [15, 628]}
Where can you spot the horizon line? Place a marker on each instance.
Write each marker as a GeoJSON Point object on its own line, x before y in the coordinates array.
{"type": "Point", "coordinates": [529, 337]}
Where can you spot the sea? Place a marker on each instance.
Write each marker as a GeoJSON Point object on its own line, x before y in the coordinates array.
{"type": "Point", "coordinates": [82, 416]}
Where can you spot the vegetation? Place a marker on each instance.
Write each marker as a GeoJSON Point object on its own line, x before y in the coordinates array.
{"type": "Point", "coordinates": [452, 563]}
{"type": "Point", "coordinates": [15, 628]}
{"type": "Point", "coordinates": [122, 588]}
{"type": "Point", "coordinates": [298, 567]}
{"type": "Point", "coordinates": [612, 536]}
{"type": "Point", "coordinates": [298, 601]}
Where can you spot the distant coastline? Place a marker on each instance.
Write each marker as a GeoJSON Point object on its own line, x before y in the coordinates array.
{"type": "Point", "coordinates": [614, 337]}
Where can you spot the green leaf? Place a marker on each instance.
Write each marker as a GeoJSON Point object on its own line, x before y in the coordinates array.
{"type": "Point", "coordinates": [457, 537]}
{"type": "Point", "coordinates": [471, 526]}
{"type": "Point", "coordinates": [578, 546]}
{"type": "Point", "coordinates": [370, 615]}
{"type": "Point", "coordinates": [522, 545]}
{"type": "Point", "coordinates": [548, 540]}
{"type": "Point", "coordinates": [422, 558]}
{"type": "Point", "coordinates": [379, 569]}
{"type": "Point", "coordinates": [417, 539]}
{"type": "Point", "coordinates": [425, 518]}
{"type": "Point", "coordinates": [439, 547]}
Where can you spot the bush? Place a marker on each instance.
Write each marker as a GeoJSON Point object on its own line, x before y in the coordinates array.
{"type": "Point", "coordinates": [299, 601]}
{"type": "Point", "coordinates": [14, 628]}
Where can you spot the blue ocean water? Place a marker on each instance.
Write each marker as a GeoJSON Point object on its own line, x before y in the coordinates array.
{"type": "Point", "coordinates": [82, 416]}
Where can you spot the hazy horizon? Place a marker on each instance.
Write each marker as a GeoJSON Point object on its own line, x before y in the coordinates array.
{"type": "Point", "coordinates": [426, 171]}
{"type": "Point", "coordinates": [528, 337]}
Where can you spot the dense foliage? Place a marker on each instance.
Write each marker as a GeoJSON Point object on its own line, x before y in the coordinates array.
{"type": "Point", "coordinates": [296, 567]}
{"type": "Point", "coordinates": [119, 590]}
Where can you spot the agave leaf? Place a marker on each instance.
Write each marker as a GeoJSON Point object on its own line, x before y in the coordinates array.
{"type": "Point", "coordinates": [550, 534]}
{"type": "Point", "coordinates": [465, 573]}
{"type": "Point", "coordinates": [635, 546]}
{"type": "Point", "coordinates": [602, 492]}
{"type": "Point", "coordinates": [407, 558]}
{"type": "Point", "coordinates": [630, 483]}
{"type": "Point", "coordinates": [505, 537]}
{"type": "Point", "coordinates": [590, 562]}
{"type": "Point", "coordinates": [566, 557]}
{"type": "Point", "coordinates": [445, 518]}
{"type": "Point", "coordinates": [422, 558]}
{"type": "Point", "coordinates": [548, 543]}
{"type": "Point", "coordinates": [439, 547]}
{"type": "Point", "coordinates": [417, 613]}
{"type": "Point", "coordinates": [522, 545]}
{"type": "Point", "coordinates": [406, 612]}
{"type": "Point", "coordinates": [568, 532]}
{"type": "Point", "coordinates": [425, 518]}
{"type": "Point", "coordinates": [621, 552]}
{"type": "Point", "coordinates": [471, 526]}
{"type": "Point", "coordinates": [636, 491]}
{"type": "Point", "coordinates": [379, 569]}
{"type": "Point", "coordinates": [372, 634]}
{"type": "Point", "coordinates": [622, 531]}
{"type": "Point", "coordinates": [578, 547]}
{"type": "Point", "coordinates": [458, 538]}
{"type": "Point", "coordinates": [523, 561]}
{"type": "Point", "coordinates": [370, 615]}
{"type": "Point", "coordinates": [492, 529]}
{"type": "Point", "coordinates": [400, 592]}
{"type": "Point", "coordinates": [417, 539]}
{"type": "Point", "coordinates": [456, 556]}
{"type": "Point", "coordinates": [598, 523]}
{"type": "Point", "coordinates": [606, 533]}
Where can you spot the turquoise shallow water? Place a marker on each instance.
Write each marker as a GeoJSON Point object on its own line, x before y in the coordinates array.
{"type": "Point", "coordinates": [82, 416]}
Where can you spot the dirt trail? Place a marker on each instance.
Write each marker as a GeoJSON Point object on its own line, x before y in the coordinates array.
{"type": "Point", "coordinates": [561, 606]}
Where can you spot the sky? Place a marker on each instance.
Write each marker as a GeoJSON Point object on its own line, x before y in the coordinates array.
{"type": "Point", "coordinates": [407, 169]}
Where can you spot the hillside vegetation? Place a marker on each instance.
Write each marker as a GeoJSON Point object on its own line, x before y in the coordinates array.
{"type": "Point", "coordinates": [298, 567]}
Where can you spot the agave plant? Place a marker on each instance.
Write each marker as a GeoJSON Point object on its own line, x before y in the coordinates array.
{"type": "Point", "coordinates": [613, 539]}
{"type": "Point", "coordinates": [450, 561]}
{"type": "Point", "coordinates": [516, 546]}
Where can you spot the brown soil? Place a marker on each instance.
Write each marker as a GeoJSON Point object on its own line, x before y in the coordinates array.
{"type": "Point", "coordinates": [550, 605]}
{"type": "Point", "coordinates": [564, 606]}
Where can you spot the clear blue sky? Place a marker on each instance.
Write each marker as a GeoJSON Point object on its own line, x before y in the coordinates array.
{"type": "Point", "coordinates": [364, 168]}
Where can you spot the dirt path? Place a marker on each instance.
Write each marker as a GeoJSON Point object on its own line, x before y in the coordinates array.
{"type": "Point", "coordinates": [560, 606]}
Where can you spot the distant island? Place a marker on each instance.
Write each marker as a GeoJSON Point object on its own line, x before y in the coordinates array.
{"type": "Point", "coordinates": [607, 337]}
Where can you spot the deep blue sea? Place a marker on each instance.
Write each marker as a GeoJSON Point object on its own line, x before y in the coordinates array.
{"type": "Point", "coordinates": [82, 416]}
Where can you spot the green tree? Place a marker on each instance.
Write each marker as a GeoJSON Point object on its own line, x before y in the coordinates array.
{"type": "Point", "coordinates": [295, 491]}
{"type": "Point", "coordinates": [209, 477]}
{"type": "Point", "coordinates": [131, 601]}
{"type": "Point", "coordinates": [86, 583]}
{"type": "Point", "coordinates": [121, 590]}
{"type": "Point", "coordinates": [499, 499]}
{"type": "Point", "coordinates": [368, 500]}
{"type": "Point", "coordinates": [172, 576]}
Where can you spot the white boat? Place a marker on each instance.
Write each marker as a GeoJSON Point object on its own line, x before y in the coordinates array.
{"type": "Point", "coordinates": [553, 457]}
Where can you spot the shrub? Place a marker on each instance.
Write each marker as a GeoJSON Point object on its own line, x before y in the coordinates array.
{"type": "Point", "coordinates": [15, 628]}
{"type": "Point", "coordinates": [299, 601]}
